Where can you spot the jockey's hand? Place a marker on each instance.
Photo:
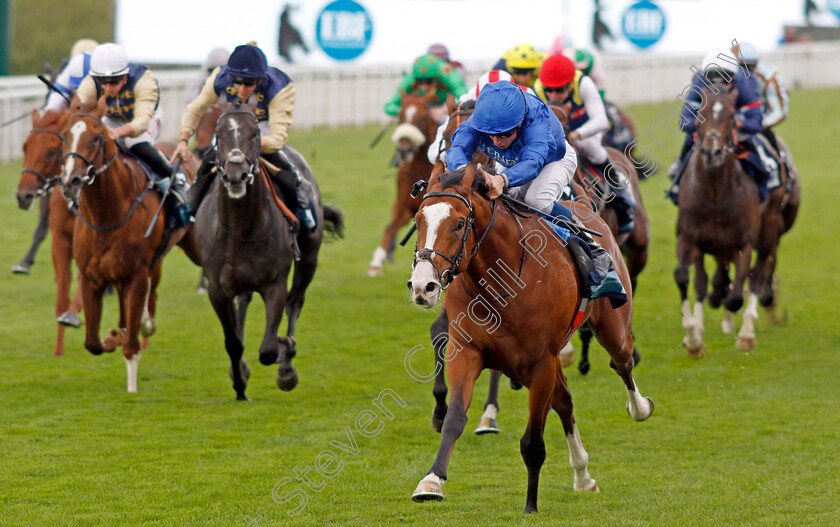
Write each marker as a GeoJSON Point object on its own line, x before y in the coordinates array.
{"type": "Point", "coordinates": [739, 121]}
{"type": "Point", "coordinates": [181, 151]}
{"type": "Point", "coordinates": [121, 131]}
{"type": "Point", "coordinates": [574, 135]}
{"type": "Point", "coordinates": [496, 183]}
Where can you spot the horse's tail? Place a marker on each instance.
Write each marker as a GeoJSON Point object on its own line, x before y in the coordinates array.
{"type": "Point", "coordinates": [334, 221]}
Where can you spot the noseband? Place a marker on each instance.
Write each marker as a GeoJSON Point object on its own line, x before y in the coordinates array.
{"type": "Point", "coordinates": [253, 163]}
{"type": "Point", "coordinates": [46, 181]}
{"type": "Point", "coordinates": [448, 275]}
{"type": "Point", "coordinates": [92, 171]}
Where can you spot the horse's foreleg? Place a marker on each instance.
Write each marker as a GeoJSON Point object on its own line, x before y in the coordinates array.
{"type": "Point", "coordinates": [226, 311]}
{"type": "Point", "coordinates": [276, 349]}
{"type": "Point", "coordinates": [304, 272]}
{"type": "Point", "coordinates": [133, 298]}
{"type": "Point", "coordinates": [561, 401]}
{"type": "Point", "coordinates": [532, 444]}
{"type": "Point", "coordinates": [585, 339]}
{"type": "Point", "coordinates": [62, 254]}
{"type": "Point", "coordinates": [400, 215]}
{"type": "Point", "coordinates": [746, 336]}
{"type": "Point", "coordinates": [463, 372]}
{"type": "Point", "coordinates": [440, 338]}
{"type": "Point", "coordinates": [92, 301]}
{"type": "Point", "coordinates": [693, 339]}
{"type": "Point", "coordinates": [147, 324]}
{"type": "Point", "coordinates": [40, 233]}
{"type": "Point", "coordinates": [241, 302]}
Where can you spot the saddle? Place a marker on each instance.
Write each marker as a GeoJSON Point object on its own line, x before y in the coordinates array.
{"type": "Point", "coordinates": [764, 164]}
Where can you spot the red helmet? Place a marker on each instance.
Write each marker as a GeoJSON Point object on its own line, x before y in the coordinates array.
{"type": "Point", "coordinates": [557, 70]}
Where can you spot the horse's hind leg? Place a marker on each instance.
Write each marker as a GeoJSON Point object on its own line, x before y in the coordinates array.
{"type": "Point", "coordinates": [561, 402]}
{"type": "Point", "coordinates": [440, 338]}
{"type": "Point", "coordinates": [613, 333]}
{"type": "Point", "coordinates": [273, 349]}
{"type": "Point", "coordinates": [463, 372]}
{"type": "Point", "coordinates": [488, 424]}
{"type": "Point", "coordinates": [24, 266]}
{"type": "Point", "coordinates": [304, 272]}
{"type": "Point", "coordinates": [400, 215]}
{"type": "Point", "coordinates": [226, 311]}
{"type": "Point", "coordinates": [585, 339]}
{"type": "Point", "coordinates": [62, 254]}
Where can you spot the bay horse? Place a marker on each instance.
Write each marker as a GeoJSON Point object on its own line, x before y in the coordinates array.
{"type": "Point", "coordinates": [413, 136]}
{"type": "Point", "coordinates": [460, 233]}
{"type": "Point", "coordinates": [246, 246]}
{"type": "Point", "coordinates": [41, 172]}
{"type": "Point", "coordinates": [720, 214]}
{"type": "Point", "coordinates": [116, 205]}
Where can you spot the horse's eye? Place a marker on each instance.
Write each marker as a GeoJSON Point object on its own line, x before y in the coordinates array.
{"type": "Point", "coordinates": [460, 224]}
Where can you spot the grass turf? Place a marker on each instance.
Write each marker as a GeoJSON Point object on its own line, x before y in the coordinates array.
{"type": "Point", "coordinates": [736, 438]}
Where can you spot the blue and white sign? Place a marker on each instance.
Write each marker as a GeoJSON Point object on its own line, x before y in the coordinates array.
{"type": "Point", "coordinates": [344, 30]}
{"type": "Point", "coordinates": [834, 7]}
{"type": "Point", "coordinates": [643, 23]}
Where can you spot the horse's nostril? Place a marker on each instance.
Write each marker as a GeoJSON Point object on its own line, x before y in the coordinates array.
{"type": "Point", "coordinates": [431, 287]}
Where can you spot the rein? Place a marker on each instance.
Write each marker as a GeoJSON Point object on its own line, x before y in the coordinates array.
{"type": "Point", "coordinates": [448, 275]}
{"type": "Point", "coordinates": [128, 214]}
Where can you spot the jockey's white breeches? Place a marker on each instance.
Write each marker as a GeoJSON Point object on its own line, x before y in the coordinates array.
{"type": "Point", "coordinates": [151, 134]}
{"type": "Point", "coordinates": [592, 148]}
{"type": "Point", "coordinates": [545, 190]}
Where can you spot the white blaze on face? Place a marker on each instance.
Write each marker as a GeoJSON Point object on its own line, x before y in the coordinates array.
{"type": "Point", "coordinates": [434, 215]}
{"type": "Point", "coordinates": [409, 113]}
{"type": "Point", "coordinates": [76, 131]}
{"type": "Point", "coordinates": [717, 107]}
{"type": "Point", "coordinates": [234, 129]}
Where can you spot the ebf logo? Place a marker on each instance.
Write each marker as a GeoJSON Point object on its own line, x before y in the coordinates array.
{"type": "Point", "coordinates": [643, 23]}
{"type": "Point", "coordinates": [344, 29]}
{"type": "Point", "coordinates": [834, 7]}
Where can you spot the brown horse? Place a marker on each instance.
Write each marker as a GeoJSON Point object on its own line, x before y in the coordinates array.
{"type": "Point", "coordinates": [720, 214]}
{"type": "Point", "coordinates": [205, 131]}
{"type": "Point", "coordinates": [413, 135]}
{"type": "Point", "coordinates": [492, 315]}
{"type": "Point", "coordinates": [116, 205]}
{"type": "Point", "coordinates": [41, 169]}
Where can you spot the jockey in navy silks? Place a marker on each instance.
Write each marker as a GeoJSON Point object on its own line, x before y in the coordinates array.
{"type": "Point", "coordinates": [526, 140]}
{"type": "Point", "coordinates": [747, 122]}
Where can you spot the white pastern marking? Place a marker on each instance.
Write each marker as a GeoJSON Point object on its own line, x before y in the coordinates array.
{"type": "Point", "coordinates": [717, 107]}
{"type": "Point", "coordinates": [77, 130]}
{"type": "Point", "coordinates": [434, 214]}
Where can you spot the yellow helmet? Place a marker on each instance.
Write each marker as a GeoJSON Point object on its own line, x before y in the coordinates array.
{"type": "Point", "coordinates": [523, 56]}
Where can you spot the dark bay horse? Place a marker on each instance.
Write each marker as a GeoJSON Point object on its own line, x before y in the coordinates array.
{"type": "Point", "coordinates": [205, 131]}
{"type": "Point", "coordinates": [460, 233]}
{"type": "Point", "coordinates": [414, 133]}
{"type": "Point", "coordinates": [116, 205]}
{"type": "Point", "coordinates": [246, 246]}
{"type": "Point", "coordinates": [41, 172]}
{"type": "Point", "coordinates": [720, 214]}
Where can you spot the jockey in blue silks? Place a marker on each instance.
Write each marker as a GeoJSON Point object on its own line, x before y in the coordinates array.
{"type": "Point", "coordinates": [747, 120]}
{"type": "Point", "coordinates": [522, 135]}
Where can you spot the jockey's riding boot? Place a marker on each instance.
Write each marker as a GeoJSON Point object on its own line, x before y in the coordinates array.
{"type": "Point", "coordinates": [608, 283]}
{"type": "Point", "coordinates": [179, 213]}
{"type": "Point", "coordinates": [623, 202]}
{"type": "Point", "coordinates": [201, 185]}
{"type": "Point", "coordinates": [303, 188]}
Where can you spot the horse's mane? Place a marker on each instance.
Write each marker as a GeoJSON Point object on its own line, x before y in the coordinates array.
{"type": "Point", "coordinates": [453, 178]}
{"type": "Point", "coordinates": [467, 105]}
{"type": "Point", "coordinates": [50, 117]}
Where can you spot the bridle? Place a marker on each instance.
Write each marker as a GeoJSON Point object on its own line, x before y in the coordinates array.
{"type": "Point", "coordinates": [253, 163]}
{"type": "Point", "coordinates": [91, 172]}
{"type": "Point", "coordinates": [443, 146]}
{"type": "Point", "coordinates": [448, 275]}
{"type": "Point", "coordinates": [46, 181]}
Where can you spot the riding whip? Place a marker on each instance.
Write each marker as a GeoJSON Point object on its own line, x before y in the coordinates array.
{"type": "Point", "coordinates": [53, 87]}
{"type": "Point", "coordinates": [381, 133]}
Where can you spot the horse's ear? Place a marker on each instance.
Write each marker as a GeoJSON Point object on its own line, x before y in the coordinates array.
{"type": "Point", "coordinates": [733, 96]}
{"type": "Point", "coordinates": [450, 103]}
{"type": "Point", "coordinates": [35, 116]}
{"type": "Point", "coordinates": [437, 170]}
{"type": "Point", "coordinates": [469, 177]}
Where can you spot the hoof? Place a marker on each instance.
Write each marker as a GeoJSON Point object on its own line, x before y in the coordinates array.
{"type": "Point", "coordinates": [69, 319]}
{"type": "Point", "coordinates": [288, 346]}
{"type": "Point", "coordinates": [270, 357]}
{"type": "Point", "coordinates": [429, 489]}
{"type": "Point", "coordinates": [147, 327]}
{"type": "Point", "coordinates": [242, 397]}
{"type": "Point", "coordinates": [58, 353]}
{"type": "Point", "coordinates": [694, 349]}
{"type": "Point", "coordinates": [243, 368]}
{"type": "Point", "coordinates": [113, 340]}
{"type": "Point", "coordinates": [745, 343]}
{"type": "Point", "coordinates": [584, 366]}
{"type": "Point", "coordinates": [530, 510]}
{"type": "Point", "coordinates": [567, 355]}
{"type": "Point", "coordinates": [515, 385]}
{"type": "Point", "coordinates": [287, 380]}
{"type": "Point", "coordinates": [374, 272]}
{"type": "Point", "coordinates": [772, 317]}
{"type": "Point", "coordinates": [21, 268]}
{"type": "Point", "coordinates": [727, 325]}
{"type": "Point", "coordinates": [487, 426]}
{"type": "Point", "coordinates": [650, 402]}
